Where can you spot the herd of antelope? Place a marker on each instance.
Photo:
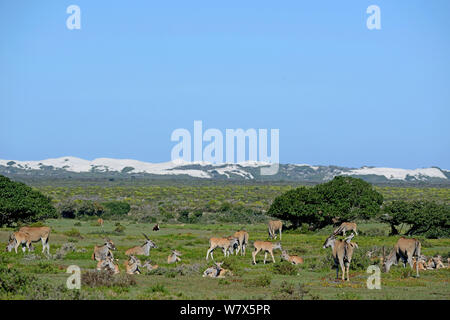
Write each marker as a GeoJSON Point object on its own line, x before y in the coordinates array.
{"type": "Point", "coordinates": [406, 249]}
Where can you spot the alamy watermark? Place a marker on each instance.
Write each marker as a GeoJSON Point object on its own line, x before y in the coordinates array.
{"type": "Point", "coordinates": [213, 152]}
{"type": "Point", "coordinates": [374, 280]}
{"type": "Point", "coordinates": [74, 20]}
{"type": "Point", "coordinates": [374, 20]}
{"type": "Point", "coordinates": [74, 280]}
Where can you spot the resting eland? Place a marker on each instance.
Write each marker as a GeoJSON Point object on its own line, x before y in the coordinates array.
{"type": "Point", "coordinates": [143, 250]}
{"type": "Point", "coordinates": [104, 251]}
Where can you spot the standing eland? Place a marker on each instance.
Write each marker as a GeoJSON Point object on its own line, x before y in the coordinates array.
{"type": "Point", "coordinates": [404, 249]}
{"type": "Point", "coordinates": [342, 251]}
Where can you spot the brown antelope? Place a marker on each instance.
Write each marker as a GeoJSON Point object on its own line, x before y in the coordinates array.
{"type": "Point", "coordinates": [217, 271]}
{"type": "Point", "coordinates": [143, 250]}
{"type": "Point", "coordinates": [156, 227]}
{"type": "Point", "coordinates": [274, 226]}
{"type": "Point", "coordinates": [242, 237]}
{"type": "Point", "coordinates": [38, 233]}
{"type": "Point", "coordinates": [421, 265]}
{"type": "Point", "coordinates": [342, 251]}
{"type": "Point", "coordinates": [19, 238]}
{"type": "Point", "coordinates": [132, 266]}
{"type": "Point", "coordinates": [344, 227]}
{"type": "Point", "coordinates": [438, 262]}
{"type": "Point", "coordinates": [291, 259]}
{"type": "Point", "coordinates": [100, 222]}
{"type": "Point", "coordinates": [435, 263]}
{"type": "Point", "coordinates": [235, 245]}
{"type": "Point", "coordinates": [147, 265]}
{"type": "Point", "coordinates": [213, 271]}
{"type": "Point", "coordinates": [174, 257]}
{"type": "Point", "coordinates": [404, 249]}
{"type": "Point", "coordinates": [108, 265]}
{"type": "Point", "coordinates": [104, 251]}
{"type": "Point", "coordinates": [227, 245]}
{"type": "Point", "coordinates": [267, 247]}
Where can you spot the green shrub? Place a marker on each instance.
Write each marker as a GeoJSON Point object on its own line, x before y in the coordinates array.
{"type": "Point", "coordinates": [119, 208]}
{"type": "Point", "coordinates": [288, 291]}
{"type": "Point", "coordinates": [345, 198]}
{"type": "Point", "coordinates": [260, 281]}
{"type": "Point", "coordinates": [13, 281]}
{"type": "Point", "coordinates": [425, 218]}
{"type": "Point", "coordinates": [159, 288]}
{"type": "Point", "coordinates": [284, 268]}
{"type": "Point", "coordinates": [120, 229]}
{"type": "Point", "coordinates": [73, 233]}
{"type": "Point", "coordinates": [21, 204]}
{"type": "Point", "coordinates": [106, 279]}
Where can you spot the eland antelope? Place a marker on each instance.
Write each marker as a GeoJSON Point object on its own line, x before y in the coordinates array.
{"type": "Point", "coordinates": [291, 259]}
{"type": "Point", "coordinates": [104, 251]}
{"type": "Point", "coordinates": [274, 226]}
{"type": "Point", "coordinates": [267, 247]}
{"type": "Point", "coordinates": [133, 265]}
{"type": "Point", "coordinates": [19, 238]}
{"type": "Point", "coordinates": [227, 245]}
{"type": "Point", "coordinates": [174, 257]}
{"type": "Point", "coordinates": [38, 233]}
{"type": "Point", "coordinates": [435, 263]}
{"type": "Point", "coordinates": [421, 264]}
{"type": "Point", "coordinates": [149, 266]}
{"type": "Point", "coordinates": [108, 265]}
{"type": "Point", "coordinates": [242, 237]}
{"type": "Point", "coordinates": [344, 227]}
{"type": "Point", "coordinates": [143, 250]}
{"type": "Point", "coordinates": [213, 271]}
{"type": "Point", "coordinates": [342, 251]}
{"type": "Point", "coordinates": [404, 249]}
{"type": "Point", "coordinates": [217, 271]}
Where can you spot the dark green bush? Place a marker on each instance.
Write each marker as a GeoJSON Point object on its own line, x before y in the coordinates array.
{"type": "Point", "coordinates": [425, 218]}
{"type": "Point", "coordinates": [106, 279]}
{"type": "Point", "coordinates": [260, 281]}
{"type": "Point", "coordinates": [343, 198]}
{"type": "Point", "coordinates": [284, 268]}
{"type": "Point", "coordinates": [21, 204]}
{"type": "Point", "coordinates": [116, 208]}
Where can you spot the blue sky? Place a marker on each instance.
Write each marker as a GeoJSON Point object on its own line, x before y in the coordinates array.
{"type": "Point", "coordinates": [137, 70]}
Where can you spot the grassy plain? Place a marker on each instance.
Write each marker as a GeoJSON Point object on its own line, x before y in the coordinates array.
{"type": "Point", "coordinates": [313, 280]}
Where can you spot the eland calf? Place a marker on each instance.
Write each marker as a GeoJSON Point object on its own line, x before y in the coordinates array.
{"type": "Point", "coordinates": [227, 245]}
{"type": "Point", "coordinates": [267, 247]}
{"type": "Point", "coordinates": [38, 233]}
{"type": "Point", "coordinates": [291, 259]}
{"type": "Point", "coordinates": [344, 227]}
{"type": "Point", "coordinates": [19, 238]}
